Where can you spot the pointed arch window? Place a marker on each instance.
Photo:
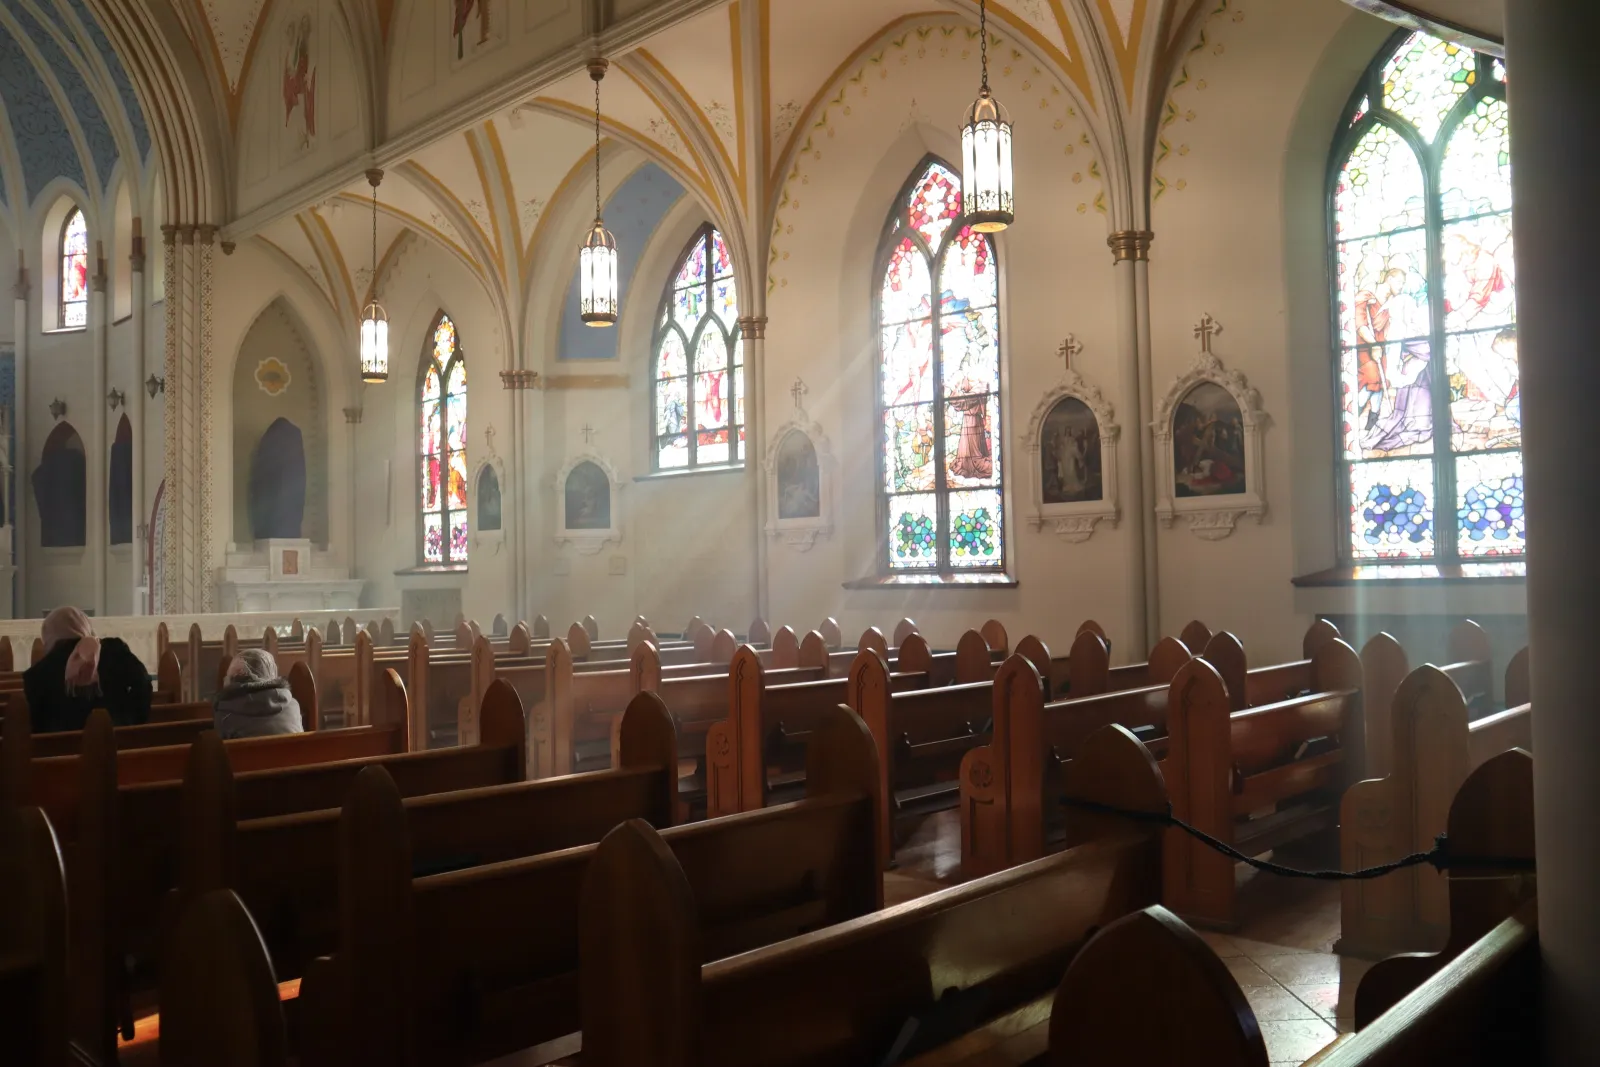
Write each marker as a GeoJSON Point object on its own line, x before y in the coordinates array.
{"type": "Point", "coordinates": [1424, 291]}
{"type": "Point", "coordinates": [73, 310]}
{"type": "Point", "coordinates": [942, 496]}
{"type": "Point", "coordinates": [442, 404]}
{"type": "Point", "coordinates": [697, 396]}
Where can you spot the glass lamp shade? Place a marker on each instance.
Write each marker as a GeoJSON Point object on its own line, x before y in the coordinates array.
{"type": "Point", "coordinates": [374, 344]}
{"type": "Point", "coordinates": [986, 190]}
{"type": "Point", "coordinates": [597, 278]}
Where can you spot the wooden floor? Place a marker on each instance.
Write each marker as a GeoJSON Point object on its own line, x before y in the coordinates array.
{"type": "Point", "coordinates": [1282, 957]}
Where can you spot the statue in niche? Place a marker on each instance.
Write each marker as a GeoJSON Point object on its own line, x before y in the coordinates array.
{"type": "Point", "coordinates": [488, 497]}
{"type": "Point", "coordinates": [1208, 443]}
{"type": "Point", "coordinates": [799, 478]}
{"type": "Point", "coordinates": [1069, 454]}
{"type": "Point", "coordinates": [588, 492]}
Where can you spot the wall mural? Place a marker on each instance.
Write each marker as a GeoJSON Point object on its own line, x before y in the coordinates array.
{"type": "Point", "coordinates": [299, 84]}
{"type": "Point", "coordinates": [475, 25]}
{"type": "Point", "coordinates": [1070, 454]}
{"type": "Point", "coordinates": [588, 493]}
{"type": "Point", "coordinates": [1208, 443]}
{"type": "Point", "coordinates": [799, 478]}
{"type": "Point", "coordinates": [488, 498]}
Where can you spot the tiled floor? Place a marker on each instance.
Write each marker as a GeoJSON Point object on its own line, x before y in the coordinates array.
{"type": "Point", "coordinates": [1281, 956]}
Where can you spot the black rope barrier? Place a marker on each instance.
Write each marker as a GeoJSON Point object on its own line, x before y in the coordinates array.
{"type": "Point", "coordinates": [1439, 857]}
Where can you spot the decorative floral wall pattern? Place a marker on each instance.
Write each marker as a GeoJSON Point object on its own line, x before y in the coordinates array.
{"type": "Point", "coordinates": [1182, 100]}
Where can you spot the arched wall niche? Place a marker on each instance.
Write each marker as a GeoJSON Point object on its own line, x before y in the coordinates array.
{"type": "Point", "coordinates": [277, 376]}
{"type": "Point", "coordinates": [60, 489]}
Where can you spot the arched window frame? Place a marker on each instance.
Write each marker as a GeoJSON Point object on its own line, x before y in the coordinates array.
{"type": "Point", "coordinates": [709, 320]}
{"type": "Point", "coordinates": [72, 314]}
{"type": "Point", "coordinates": [1364, 111]}
{"type": "Point", "coordinates": [450, 553]}
{"type": "Point", "coordinates": [895, 228]}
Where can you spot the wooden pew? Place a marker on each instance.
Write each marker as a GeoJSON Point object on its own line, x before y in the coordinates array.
{"type": "Point", "coordinates": [461, 967]}
{"type": "Point", "coordinates": [285, 868]}
{"type": "Point", "coordinates": [1163, 662]}
{"type": "Point", "coordinates": [973, 660]}
{"type": "Point", "coordinates": [129, 824]}
{"type": "Point", "coordinates": [1248, 686]}
{"type": "Point", "coordinates": [1223, 766]}
{"type": "Point", "coordinates": [992, 949]}
{"type": "Point", "coordinates": [923, 734]}
{"type": "Point", "coordinates": [1434, 748]}
{"type": "Point", "coordinates": [1468, 664]}
{"type": "Point", "coordinates": [220, 1001]}
{"type": "Point", "coordinates": [33, 941]}
{"type": "Point", "coordinates": [769, 722]}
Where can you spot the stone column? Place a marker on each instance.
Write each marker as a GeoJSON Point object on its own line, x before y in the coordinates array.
{"type": "Point", "coordinates": [1130, 252]}
{"type": "Point", "coordinates": [1554, 128]}
{"type": "Point", "coordinates": [21, 455]}
{"type": "Point", "coordinates": [753, 330]}
{"type": "Point", "coordinates": [99, 532]}
{"type": "Point", "coordinates": [136, 410]}
{"type": "Point", "coordinates": [190, 580]}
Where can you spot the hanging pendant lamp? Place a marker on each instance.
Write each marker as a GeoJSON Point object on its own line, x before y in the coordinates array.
{"type": "Point", "coordinates": [374, 322]}
{"type": "Point", "coordinates": [597, 260]}
{"type": "Point", "coordinates": [986, 190]}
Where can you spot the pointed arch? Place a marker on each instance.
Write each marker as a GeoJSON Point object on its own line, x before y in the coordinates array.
{"type": "Point", "coordinates": [442, 445]}
{"type": "Point", "coordinates": [1422, 280]}
{"type": "Point", "coordinates": [697, 380]}
{"type": "Point", "coordinates": [60, 487]}
{"type": "Point", "coordinates": [119, 487]}
{"type": "Point", "coordinates": [72, 255]}
{"type": "Point", "coordinates": [941, 491]}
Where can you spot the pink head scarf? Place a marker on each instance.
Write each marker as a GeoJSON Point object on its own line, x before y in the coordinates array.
{"type": "Point", "coordinates": [83, 666]}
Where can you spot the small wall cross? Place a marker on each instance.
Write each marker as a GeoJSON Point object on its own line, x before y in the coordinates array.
{"type": "Point", "coordinates": [488, 437]}
{"type": "Point", "coordinates": [588, 433]}
{"type": "Point", "coordinates": [1069, 350]}
{"type": "Point", "coordinates": [1208, 328]}
{"type": "Point", "coordinates": [798, 390]}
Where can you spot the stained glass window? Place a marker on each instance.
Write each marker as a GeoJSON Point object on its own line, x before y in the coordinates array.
{"type": "Point", "coordinates": [1421, 207]}
{"type": "Point", "coordinates": [74, 272]}
{"type": "Point", "coordinates": [442, 430]}
{"type": "Point", "coordinates": [699, 361]}
{"type": "Point", "coordinates": [939, 385]}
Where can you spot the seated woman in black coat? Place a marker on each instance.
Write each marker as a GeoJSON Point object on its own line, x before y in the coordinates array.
{"type": "Point", "coordinates": [80, 672]}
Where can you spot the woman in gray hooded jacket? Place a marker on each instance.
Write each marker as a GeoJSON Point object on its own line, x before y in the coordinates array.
{"type": "Point", "coordinates": [254, 701]}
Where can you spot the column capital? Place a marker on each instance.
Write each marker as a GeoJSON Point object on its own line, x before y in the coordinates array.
{"type": "Point", "coordinates": [521, 379]}
{"type": "Point", "coordinates": [169, 233]}
{"type": "Point", "coordinates": [352, 416]}
{"type": "Point", "coordinates": [1130, 244]}
{"type": "Point", "coordinates": [205, 233]}
{"type": "Point", "coordinates": [753, 327]}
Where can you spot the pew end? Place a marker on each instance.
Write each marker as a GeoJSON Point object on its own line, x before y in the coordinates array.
{"type": "Point", "coordinates": [219, 996]}
{"type": "Point", "coordinates": [994, 635]}
{"type": "Point", "coordinates": [785, 648]}
{"type": "Point", "coordinates": [303, 687]}
{"type": "Point", "coordinates": [1195, 636]}
{"type": "Point", "coordinates": [647, 736]}
{"type": "Point", "coordinates": [1101, 1011]}
{"type": "Point", "coordinates": [1114, 769]}
{"type": "Point", "coordinates": [902, 630]}
{"type": "Point", "coordinates": [641, 946]}
{"type": "Point", "coordinates": [33, 940]}
{"type": "Point", "coordinates": [1492, 815]}
{"type": "Point", "coordinates": [1318, 634]}
{"type": "Point", "coordinates": [1519, 686]}
{"type": "Point", "coordinates": [832, 635]}
{"type": "Point", "coordinates": [501, 723]}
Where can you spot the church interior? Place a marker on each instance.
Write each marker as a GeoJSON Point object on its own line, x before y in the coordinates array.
{"type": "Point", "coordinates": [801, 532]}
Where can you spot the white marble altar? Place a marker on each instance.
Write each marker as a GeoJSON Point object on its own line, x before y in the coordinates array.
{"type": "Point", "coordinates": [286, 574]}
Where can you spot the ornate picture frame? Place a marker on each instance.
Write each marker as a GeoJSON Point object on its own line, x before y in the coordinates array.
{"type": "Point", "coordinates": [492, 540]}
{"type": "Point", "coordinates": [1210, 502]}
{"type": "Point", "coordinates": [1048, 441]}
{"type": "Point", "coordinates": [799, 499]}
{"type": "Point", "coordinates": [592, 532]}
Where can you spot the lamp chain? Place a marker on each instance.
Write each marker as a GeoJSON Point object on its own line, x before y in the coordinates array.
{"type": "Point", "coordinates": [374, 293]}
{"type": "Point", "coordinates": [597, 148]}
{"type": "Point", "coordinates": [983, 41]}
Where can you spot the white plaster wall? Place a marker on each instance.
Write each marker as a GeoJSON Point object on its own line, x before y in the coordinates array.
{"type": "Point", "coordinates": [1056, 278]}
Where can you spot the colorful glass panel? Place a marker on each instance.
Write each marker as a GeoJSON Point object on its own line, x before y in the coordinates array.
{"type": "Point", "coordinates": [1485, 391]}
{"type": "Point", "coordinates": [935, 204]}
{"type": "Point", "coordinates": [907, 285]}
{"type": "Point", "coordinates": [442, 442]}
{"type": "Point", "coordinates": [699, 381]}
{"type": "Point", "coordinates": [1391, 509]}
{"type": "Point", "coordinates": [1425, 78]}
{"type": "Point", "coordinates": [75, 271]}
{"type": "Point", "coordinates": [1402, 252]}
{"type": "Point", "coordinates": [1475, 177]}
{"type": "Point", "coordinates": [914, 532]}
{"type": "Point", "coordinates": [939, 379]}
{"type": "Point", "coordinates": [976, 533]}
{"type": "Point", "coordinates": [1479, 273]}
{"type": "Point", "coordinates": [1380, 189]}
{"type": "Point", "coordinates": [1489, 504]}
